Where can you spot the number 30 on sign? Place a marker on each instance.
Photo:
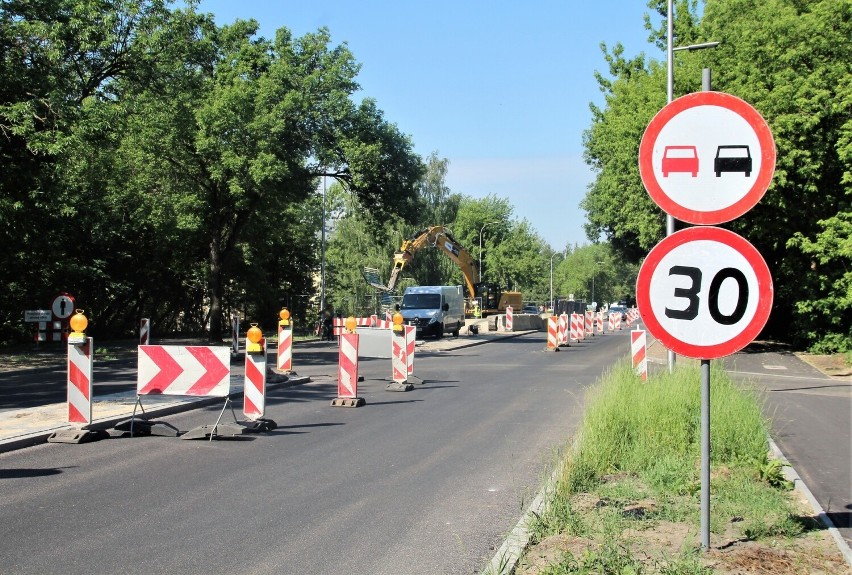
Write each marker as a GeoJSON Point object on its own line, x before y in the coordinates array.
{"type": "Point", "coordinates": [704, 292]}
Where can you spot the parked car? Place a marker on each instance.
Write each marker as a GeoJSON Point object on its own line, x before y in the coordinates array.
{"type": "Point", "coordinates": [619, 309]}
{"type": "Point", "coordinates": [530, 309]}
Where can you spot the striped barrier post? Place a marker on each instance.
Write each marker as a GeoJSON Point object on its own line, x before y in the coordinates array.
{"type": "Point", "coordinates": [144, 331]}
{"type": "Point", "coordinates": [509, 318]}
{"type": "Point", "coordinates": [399, 361]}
{"type": "Point", "coordinates": [374, 320]}
{"type": "Point", "coordinates": [638, 352]}
{"type": "Point", "coordinates": [552, 334]}
{"type": "Point", "coordinates": [235, 334]}
{"type": "Point", "coordinates": [410, 346]}
{"type": "Point", "coordinates": [576, 327]}
{"type": "Point", "coordinates": [611, 321]}
{"type": "Point", "coordinates": [285, 348]}
{"type": "Point", "coordinates": [618, 321]}
{"type": "Point", "coordinates": [80, 369]}
{"type": "Point", "coordinates": [562, 330]}
{"type": "Point", "coordinates": [599, 319]}
{"type": "Point", "coordinates": [347, 373]}
{"type": "Point", "coordinates": [588, 326]}
{"type": "Point", "coordinates": [254, 390]}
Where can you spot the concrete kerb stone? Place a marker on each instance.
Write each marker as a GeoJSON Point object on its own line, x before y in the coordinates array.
{"type": "Point", "coordinates": [123, 409]}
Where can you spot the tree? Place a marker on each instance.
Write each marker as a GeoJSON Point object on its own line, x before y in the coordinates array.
{"type": "Point", "coordinates": [234, 128]}
{"type": "Point", "coordinates": [57, 59]}
{"type": "Point", "coordinates": [790, 59]}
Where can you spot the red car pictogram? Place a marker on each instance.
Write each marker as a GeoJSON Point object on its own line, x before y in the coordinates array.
{"type": "Point", "coordinates": [680, 159]}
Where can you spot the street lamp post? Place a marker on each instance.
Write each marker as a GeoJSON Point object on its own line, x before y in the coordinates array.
{"type": "Point", "coordinates": [594, 274]}
{"type": "Point", "coordinates": [670, 49]}
{"type": "Point", "coordinates": [322, 252]}
{"type": "Point", "coordinates": [480, 247]}
{"type": "Point", "coordinates": [552, 303]}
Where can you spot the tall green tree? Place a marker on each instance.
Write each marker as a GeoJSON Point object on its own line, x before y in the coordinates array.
{"type": "Point", "coordinates": [234, 128]}
{"type": "Point", "coordinates": [57, 60]}
{"type": "Point", "coordinates": [791, 60]}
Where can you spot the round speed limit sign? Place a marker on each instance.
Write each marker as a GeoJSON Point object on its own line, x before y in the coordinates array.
{"type": "Point", "coordinates": [704, 292]}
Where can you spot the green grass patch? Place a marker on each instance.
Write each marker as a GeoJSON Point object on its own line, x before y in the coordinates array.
{"type": "Point", "coordinates": [635, 470]}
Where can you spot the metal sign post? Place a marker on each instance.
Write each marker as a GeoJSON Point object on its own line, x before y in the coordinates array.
{"type": "Point", "coordinates": [705, 292]}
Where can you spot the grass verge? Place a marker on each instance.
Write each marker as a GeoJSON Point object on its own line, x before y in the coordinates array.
{"type": "Point", "coordinates": [628, 499]}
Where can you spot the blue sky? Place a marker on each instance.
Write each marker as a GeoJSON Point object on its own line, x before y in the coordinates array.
{"type": "Point", "coordinates": [500, 89]}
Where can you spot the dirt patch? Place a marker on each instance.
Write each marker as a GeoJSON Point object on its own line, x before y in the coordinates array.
{"type": "Point", "coordinates": [655, 544]}
{"type": "Point", "coordinates": [750, 557]}
{"type": "Point", "coordinates": [834, 365]}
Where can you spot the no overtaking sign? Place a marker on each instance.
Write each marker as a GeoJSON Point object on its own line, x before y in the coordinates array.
{"type": "Point", "coordinates": [707, 158]}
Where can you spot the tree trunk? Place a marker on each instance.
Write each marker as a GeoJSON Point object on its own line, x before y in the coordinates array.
{"type": "Point", "coordinates": [216, 294]}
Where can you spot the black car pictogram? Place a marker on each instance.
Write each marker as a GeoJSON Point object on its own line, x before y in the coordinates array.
{"type": "Point", "coordinates": [732, 159]}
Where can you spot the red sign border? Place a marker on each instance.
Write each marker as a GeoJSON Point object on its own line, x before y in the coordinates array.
{"type": "Point", "coordinates": [744, 204]}
{"type": "Point", "coordinates": [729, 238]}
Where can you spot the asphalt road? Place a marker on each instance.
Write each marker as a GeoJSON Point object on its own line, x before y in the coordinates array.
{"type": "Point", "coordinates": [428, 481]}
{"type": "Point", "coordinates": [811, 417]}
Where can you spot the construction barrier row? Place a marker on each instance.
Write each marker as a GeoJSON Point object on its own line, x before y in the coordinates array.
{"type": "Point", "coordinates": [205, 371]}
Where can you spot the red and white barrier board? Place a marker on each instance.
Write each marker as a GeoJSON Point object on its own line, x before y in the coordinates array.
{"type": "Point", "coordinates": [254, 388]}
{"type": "Point", "coordinates": [339, 324]}
{"type": "Point", "coordinates": [562, 330]}
{"type": "Point", "coordinates": [638, 350]}
{"type": "Point", "coordinates": [80, 367]}
{"type": "Point", "coordinates": [599, 319]}
{"type": "Point", "coordinates": [588, 323]}
{"type": "Point", "coordinates": [576, 327]}
{"type": "Point", "coordinates": [399, 362]}
{"type": "Point", "coordinates": [410, 345]}
{"type": "Point", "coordinates": [285, 348]}
{"type": "Point", "coordinates": [184, 370]}
{"type": "Point", "coordinates": [347, 370]}
{"type": "Point", "coordinates": [509, 318]}
{"type": "Point", "coordinates": [144, 331]}
{"type": "Point", "coordinates": [552, 333]}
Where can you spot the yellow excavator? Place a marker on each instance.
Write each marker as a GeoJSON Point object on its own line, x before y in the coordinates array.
{"type": "Point", "coordinates": [489, 296]}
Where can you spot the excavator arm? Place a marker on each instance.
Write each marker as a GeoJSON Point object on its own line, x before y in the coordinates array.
{"type": "Point", "coordinates": [440, 238]}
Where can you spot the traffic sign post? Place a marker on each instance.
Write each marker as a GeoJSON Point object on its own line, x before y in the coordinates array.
{"type": "Point", "coordinates": [704, 292]}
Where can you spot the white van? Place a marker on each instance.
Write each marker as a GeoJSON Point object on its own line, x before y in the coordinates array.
{"type": "Point", "coordinates": [433, 310]}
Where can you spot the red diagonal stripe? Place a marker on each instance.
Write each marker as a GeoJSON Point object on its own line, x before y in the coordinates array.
{"type": "Point", "coordinates": [253, 375]}
{"type": "Point", "coordinates": [74, 415]}
{"type": "Point", "coordinates": [214, 371]}
{"type": "Point", "coordinates": [169, 370]}
{"type": "Point", "coordinates": [249, 406]}
{"type": "Point", "coordinates": [78, 379]}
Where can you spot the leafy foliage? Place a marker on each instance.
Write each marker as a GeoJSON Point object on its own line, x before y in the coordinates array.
{"type": "Point", "coordinates": [790, 59]}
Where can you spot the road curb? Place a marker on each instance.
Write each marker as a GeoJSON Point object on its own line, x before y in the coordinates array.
{"type": "Point", "coordinates": [791, 474]}
{"type": "Point", "coordinates": [505, 560]}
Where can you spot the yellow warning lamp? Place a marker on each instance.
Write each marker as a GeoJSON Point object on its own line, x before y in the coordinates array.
{"type": "Point", "coordinates": [254, 335]}
{"type": "Point", "coordinates": [351, 324]}
{"type": "Point", "coordinates": [284, 314]}
{"type": "Point", "coordinates": [79, 323]}
{"type": "Point", "coordinates": [397, 321]}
